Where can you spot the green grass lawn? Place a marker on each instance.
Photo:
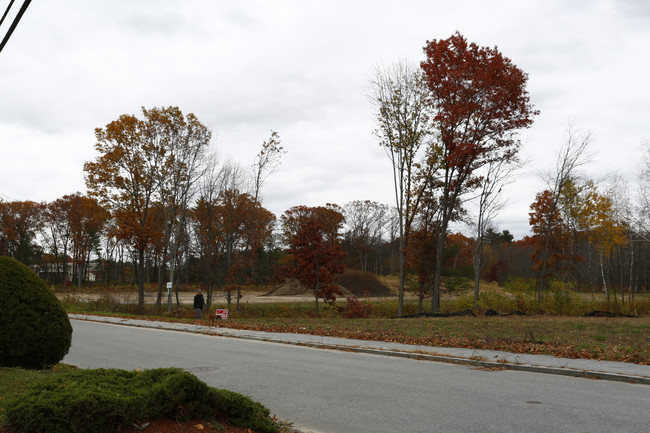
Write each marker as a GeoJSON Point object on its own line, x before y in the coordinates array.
{"type": "Point", "coordinates": [615, 339]}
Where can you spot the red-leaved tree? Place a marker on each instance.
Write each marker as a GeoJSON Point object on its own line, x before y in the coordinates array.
{"type": "Point", "coordinates": [479, 101]}
{"type": "Point", "coordinates": [313, 239]}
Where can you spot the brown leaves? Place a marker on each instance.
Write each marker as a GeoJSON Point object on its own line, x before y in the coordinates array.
{"type": "Point", "coordinates": [312, 234]}
{"type": "Point", "coordinates": [477, 93]}
{"type": "Point", "coordinates": [460, 334]}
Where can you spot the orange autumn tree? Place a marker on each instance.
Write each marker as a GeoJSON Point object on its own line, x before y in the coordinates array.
{"type": "Point", "coordinates": [74, 224]}
{"type": "Point", "coordinates": [19, 224]}
{"type": "Point", "coordinates": [56, 234]}
{"type": "Point", "coordinates": [312, 235]}
{"type": "Point", "coordinates": [478, 102]}
{"type": "Point", "coordinates": [243, 227]}
{"type": "Point", "coordinates": [551, 236]}
{"type": "Point", "coordinates": [137, 166]}
{"type": "Point", "coordinates": [230, 231]}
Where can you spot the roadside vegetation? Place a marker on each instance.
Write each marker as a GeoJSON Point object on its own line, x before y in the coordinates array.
{"type": "Point", "coordinates": [64, 399]}
{"type": "Point", "coordinates": [565, 323]}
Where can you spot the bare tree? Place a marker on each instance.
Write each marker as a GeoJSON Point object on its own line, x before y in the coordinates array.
{"type": "Point", "coordinates": [203, 216]}
{"type": "Point", "coordinates": [570, 158]}
{"type": "Point", "coordinates": [497, 174]}
{"type": "Point", "coordinates": [398, 100]}
{"type": "Point", "coordinates": [365, 221]}
{"type": "Point", "coordinates": [266, 162]}
{"type": "Point", "coordinates": [185, 142]}
{"type": "Point", "coordinates": [212, 222]}
{"type": "Point", "coordinates": [643, 219]}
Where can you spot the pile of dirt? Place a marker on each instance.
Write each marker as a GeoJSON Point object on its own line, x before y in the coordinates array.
{"type": "Point", "coordinates": [351, 283]}
{"type": "Point", "coordinates": [360, 282]}
{"type": "Point", "coordinates": [290, 287]}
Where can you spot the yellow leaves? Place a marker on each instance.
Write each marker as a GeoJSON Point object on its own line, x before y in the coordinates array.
{"type": "Point", "coordinates": [199, 427]}
{"type": "Point", "coordinates": [597, 217]}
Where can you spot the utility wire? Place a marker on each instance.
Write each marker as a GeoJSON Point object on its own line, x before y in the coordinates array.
{"type": "Point", "coordinates": [22, 10]}
{"type": "Point", "coordinates": [6, 12]}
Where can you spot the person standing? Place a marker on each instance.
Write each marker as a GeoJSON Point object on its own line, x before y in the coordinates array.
{"type": "Point", "coordinates": [199, 303]}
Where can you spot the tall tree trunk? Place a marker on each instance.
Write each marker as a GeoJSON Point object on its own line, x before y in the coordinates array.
{"type": "Point", "coordinates": [602, 276]}
{"type": "Point", "coordinates": [402, 275]}
{"type": "Point", "coordinates": [437, 278]}
{"type": "Point", "coordinates": [141, 281]}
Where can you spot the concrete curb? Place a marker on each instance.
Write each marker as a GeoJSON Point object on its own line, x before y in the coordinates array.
{"type": "Point", "coordinates": [474, 361]}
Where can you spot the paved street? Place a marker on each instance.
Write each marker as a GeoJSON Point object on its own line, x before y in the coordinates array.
{"type": "Point", "coordinates": [342, 392]}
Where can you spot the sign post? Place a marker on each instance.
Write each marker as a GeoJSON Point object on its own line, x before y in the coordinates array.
{"type": "Point", "coordinates": [169, 296]}
{"type": "Point", "coordinates": [221, 313]}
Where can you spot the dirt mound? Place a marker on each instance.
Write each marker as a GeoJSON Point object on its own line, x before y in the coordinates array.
{"type": "Point", "coordinates": [351, 283]}
{"type": "Point", "coordinates": [289, 287]}
{"type": "Point", "coordinates": [292, 287]}
{"type": "Point", "coordinates": [358, 282]}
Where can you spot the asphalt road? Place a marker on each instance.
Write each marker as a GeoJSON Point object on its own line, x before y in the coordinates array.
{"type": "Point", "coordinates": [325, 391]}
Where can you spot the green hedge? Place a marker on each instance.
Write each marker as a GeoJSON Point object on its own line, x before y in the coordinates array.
{"type": "Point", "coordinates": [36, 332]}
{"type": "Point", "coordinates": [89, 401]}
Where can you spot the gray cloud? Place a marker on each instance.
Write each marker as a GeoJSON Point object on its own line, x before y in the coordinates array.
{"type": "Point", "coordinates": [302, 68]}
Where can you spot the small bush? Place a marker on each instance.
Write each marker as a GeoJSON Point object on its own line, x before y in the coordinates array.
{"type": "Point", "coordinates": [464, 302]}
{"type": "Point", "coordinates": [357, 310]}
{"type": "Point", "coordinates": [519, 285]}
{"type": "Point", "coordinates": [561, 299]}
{"type": "Point", "coordinates": [94, 401]}
{"type": "Point", "coordinates": [496, 301]}
{"type": "Point", "coordinates": [458, 284]}
{"type": "Point", "coordinates": [242, 411]}
{"type": "Point", "coordinates": [36, 332]}
{"type": "Point", "coordinates": [640, 306]}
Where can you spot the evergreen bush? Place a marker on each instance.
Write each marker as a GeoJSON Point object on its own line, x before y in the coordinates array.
{"type": "Point", "coordinates": [105, 400]}
{"type": "Point", "coordinates": [36, 332]}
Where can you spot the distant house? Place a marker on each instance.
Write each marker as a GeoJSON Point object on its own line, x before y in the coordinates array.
{"type": "Point", "coordinates": [54, 272]}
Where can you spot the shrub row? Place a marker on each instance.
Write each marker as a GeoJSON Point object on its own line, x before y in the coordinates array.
{"type": "Point", "coordinates": [104, 400]}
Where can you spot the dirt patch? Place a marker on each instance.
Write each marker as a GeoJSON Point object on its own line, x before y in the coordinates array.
{"type": "Point", "coordinates": [194, 426]}
{"type": "Point", "coordinates": [360, 283]}
{"type": "Point", "coordinates": [351, 283]}
{"type": "Point", "coordinates": [289, 287]}
{"type": "Point", "coordinates": [292, 287]}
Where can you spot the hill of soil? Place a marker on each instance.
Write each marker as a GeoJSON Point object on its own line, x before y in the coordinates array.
{"type": "Point", "coordinates": [360, 282]}
{"type": "Point", "coordinates": [351, 283]}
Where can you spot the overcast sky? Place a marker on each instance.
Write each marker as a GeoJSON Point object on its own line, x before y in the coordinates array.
{"type": "Point", "coordinates": [302, 68]}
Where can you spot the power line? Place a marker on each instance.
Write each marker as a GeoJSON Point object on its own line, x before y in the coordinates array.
{"type": "Point", "coordinates": [22, 10]}
{"type": "Point", "coordinates": [6, 12]}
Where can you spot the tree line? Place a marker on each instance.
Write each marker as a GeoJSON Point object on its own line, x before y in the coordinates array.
{"type": "Point", "coordinates": [161, 208]}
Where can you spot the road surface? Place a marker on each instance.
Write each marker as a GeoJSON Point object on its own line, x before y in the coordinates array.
{"type": "Point", "coordinates": [325, 391]}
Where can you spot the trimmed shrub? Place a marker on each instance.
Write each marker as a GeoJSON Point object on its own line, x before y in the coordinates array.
{"type": "Point", "coordinates": [36, 332]}
{"type": "Point", "coordinates": [104, 400]}
{"type": "Point", "coordinates": [242, 411]}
